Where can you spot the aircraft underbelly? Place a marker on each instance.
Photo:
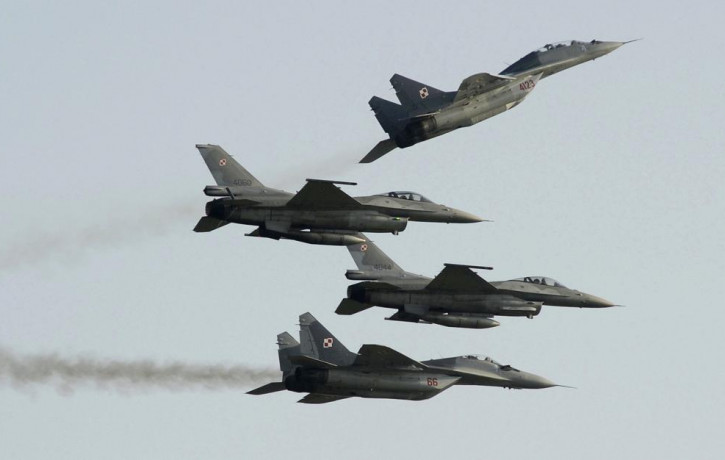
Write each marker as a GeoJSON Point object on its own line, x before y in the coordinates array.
{"type": "Point", "coordinates": [491, 304]}
{"type": "Point", "coordinates": [343, 220]}
{"type": "Point", "coordinates": [393, 385]}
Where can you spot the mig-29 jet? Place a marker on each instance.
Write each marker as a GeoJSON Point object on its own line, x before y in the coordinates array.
{"type": "Point", "coordinates": [425, 112]}
{"type": "Point", "coordinates": [320, 213]}
{"type": "Point", "coordinates": [319, 364]}
{"type": "Point", "coordinates": [457, 297]}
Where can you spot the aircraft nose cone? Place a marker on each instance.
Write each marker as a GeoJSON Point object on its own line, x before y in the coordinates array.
{"type": "Point", "coordinates": [534, 382]}
{"type": "Point", "coordinates": [463, 217]}
{"type": "Point", "coordinates": [593, 301]}
{"type": "Point", "coordinates": [607, 47]}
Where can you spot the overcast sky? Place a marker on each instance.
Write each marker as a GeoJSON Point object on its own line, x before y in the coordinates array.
{"type": "Point", "coordinates": [607, 178]}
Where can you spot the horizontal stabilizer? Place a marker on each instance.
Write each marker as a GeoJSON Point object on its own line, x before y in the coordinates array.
{"type": "Point", "coordinates": [317, 398]}
{"type": "Point", "coordinates": [308, 361]}
{"type": "Point", "coordinates": [380, 357]}
{"type": "Point", "coordinates": [322, 195]}
{"type": "Point", "coordinates": [208, 224]}
{"type": "Point", "coordinates": [379, 150]}
{"type": "Point", "coordinates": [459, 278]}
{"type": "Point", "coordinates": [268, 388]}
{"type": "Point", "coordinates": [350, 307]}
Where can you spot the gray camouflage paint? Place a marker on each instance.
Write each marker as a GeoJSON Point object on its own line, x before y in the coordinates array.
{"type": "Point", "coordinates": [319, 364]}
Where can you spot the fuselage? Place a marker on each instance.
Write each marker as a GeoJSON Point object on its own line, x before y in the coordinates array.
{"type": "Point", "coordinates": [377, 213]}
{"type": "Point", "coordinates": [409, 384]}
{"type": "Point", "coordinates": [517, 81]}
{"type": "Point", "coordinates": [468, 111]}
{"type": "Point", "coordinates": [511, 298]}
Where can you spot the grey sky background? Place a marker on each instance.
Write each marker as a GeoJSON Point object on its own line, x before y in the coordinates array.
{"type": "Point", "coordinates": [607, 178]}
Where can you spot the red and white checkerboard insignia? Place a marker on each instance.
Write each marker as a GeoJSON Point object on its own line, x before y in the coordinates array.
{"type": "Point", "coordinates": [423, 92]}
{"type": "Point", "coordinates": [223, 162]}
{"type": "Point", "coordinates": [364, 247]}
{"type": "Point", "coordinates": [327, 343]}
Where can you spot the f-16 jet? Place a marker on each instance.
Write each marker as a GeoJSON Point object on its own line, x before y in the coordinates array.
{"type": "Point", "coordinates": [319, 364]}
{"type": "Point", "coordinates": [320, 213]}
{"type": "Point", "coordinates": [425, 112]}
{"type": "Point", "coordinates": [457, 297]}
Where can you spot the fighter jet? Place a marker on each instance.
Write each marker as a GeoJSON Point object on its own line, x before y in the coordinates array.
{"type": "Point", "coordinates": [320, 213]}
{"type": "Point", "coordinates": [426, 112]}
{"type": "Point", "coordinates": [457, 297]}
{"type": "Point", "coordinates": [319, 364]}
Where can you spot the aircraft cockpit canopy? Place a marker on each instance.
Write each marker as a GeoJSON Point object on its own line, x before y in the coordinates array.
{"type": "Point", "coordinates": [547, 54]}
{"type": "Point", "coordinates": [546, 281]}
{"type": "Point", "coordinates": [564, 44]}
{"type": "Point", "coordinates": [503, 367]}
{"type": "Point", "coordinates": [407, 196]}
{"type": "Point", "coordinates": [481, 358]}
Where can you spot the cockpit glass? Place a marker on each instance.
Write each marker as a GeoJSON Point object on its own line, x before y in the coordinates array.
{"type": "Point", "coordinates": [543, 280]}
{"type": "Point", "coordinates": [412, 196]}
{"type": "Point", "coordinates": [551, 46]}
{"type": "Point", "coordinates": [482, 358]}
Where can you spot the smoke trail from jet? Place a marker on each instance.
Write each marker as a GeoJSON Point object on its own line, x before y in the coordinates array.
{"type": "Point", "coordinates": [64, 245]}
{"type": "Point", "coordinates": [68, 374]}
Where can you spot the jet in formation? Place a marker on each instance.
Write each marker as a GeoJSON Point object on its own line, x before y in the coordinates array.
{"type": "Point", "coordinates": [457, 297]}
{"type": "Point", "coordinates": [319, 364]}
{"type": "Point", "coordinates": [320, 213]}
{"type": "Point", "coordinates": [425, 112]}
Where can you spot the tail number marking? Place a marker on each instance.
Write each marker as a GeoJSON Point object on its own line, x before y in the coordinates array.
{"type": "Point", "coordinates": [527, 85]}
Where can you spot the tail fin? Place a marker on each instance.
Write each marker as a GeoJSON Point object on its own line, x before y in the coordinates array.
{"type": "Point", "coordinates": [288, 346]}
{"type": "Point", "coordinates": [369, 257]}
{"type": "Point", "coordinates": [319, 343]}
{"type": "Point", "coordinates": [224, 167]}
{"type": "Point", "coordinates": [391, 116]}
{"type": "Point", "coordinates": [418, 97]}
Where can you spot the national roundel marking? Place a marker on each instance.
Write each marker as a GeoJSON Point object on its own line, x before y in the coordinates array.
{"type": "Point", "coordinates": [423, 92]}
{"type": "Point", "coordinates": [364, 247]}
{"type": "Point", "coordinates": [223, 162]}
{"type": "Point", "coordinates": [327, 343]}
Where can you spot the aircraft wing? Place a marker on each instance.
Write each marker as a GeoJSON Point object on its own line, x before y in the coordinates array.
{"type": "Point", "coordinates": [380, 357]}
{"type": "Point", "coordinates": [479, 84]}
{"type": "Point", "coordinates": [317, 194]}
{"type": "Point", "coordinates": [319, 398]}
{"type": "Point", "coordinates": [459, 278]}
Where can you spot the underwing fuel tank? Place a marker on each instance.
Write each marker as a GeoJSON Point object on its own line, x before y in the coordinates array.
{"type": "Point", "coordinates": [464, 321]}
{"type": "Point", "coordinates": [322, 238]}
{"type": "Point", "coordinates": [330, 239]}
